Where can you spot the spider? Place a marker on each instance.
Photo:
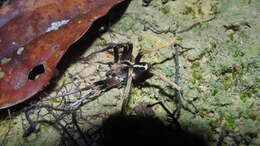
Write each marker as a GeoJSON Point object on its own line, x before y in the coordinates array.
{"type": "Point", "coordinates": [124, 70]}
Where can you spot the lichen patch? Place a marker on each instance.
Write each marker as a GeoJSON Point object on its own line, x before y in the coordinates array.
{"type": "Point", "coordinates": [54, 48]}
{"type": "Point", "coordinates": [55, 25]}
{"type": "Point", "coordinates": [5, 60]}
{"type": "Point", "coordinates": [20, 50]}
{"type": "Point", "coordinates": [19, 84]}
{"type": "Point", "coordinates": [2, 74]}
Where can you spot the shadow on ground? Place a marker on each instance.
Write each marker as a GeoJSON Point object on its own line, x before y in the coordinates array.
{"type": "Point", "coordinates": [120, 130]}
{"type": "Point", "coordinates": [142, 131]}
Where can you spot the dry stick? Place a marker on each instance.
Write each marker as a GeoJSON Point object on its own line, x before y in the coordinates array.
{"type": "Point", "coordinates": [153, 27]}
{"type": "Point", "coordinates": [127, 90]}
{"type": "Point", "coordinates": [177, 79]}
{"type": "Point", "coordinates": [196, 24]}
{"type": "Point", "coordinates": [162, 77]}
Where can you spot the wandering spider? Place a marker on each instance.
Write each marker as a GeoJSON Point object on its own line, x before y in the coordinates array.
{"type": "Point", "coordinates": [124, 70]}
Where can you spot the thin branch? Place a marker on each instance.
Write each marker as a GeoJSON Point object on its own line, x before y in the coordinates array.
{"type": "Point", "coordinates": [195, 25]}
{"type": "Point", "coordinates": [154, 28]}
{"type": "Point", "coordinates": [127, 91]}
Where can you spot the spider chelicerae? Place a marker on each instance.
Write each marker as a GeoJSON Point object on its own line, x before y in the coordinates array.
{"type": "Point", "coordinates": [124, 70]}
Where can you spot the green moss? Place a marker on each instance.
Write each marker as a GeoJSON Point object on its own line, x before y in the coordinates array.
{"type": "Point", "coordinates": [228, 80]}
{"type": "Point", "coordinates": [128, 23]}
{"type": "Point", "coordinates": [200, 11]}
{"type": "Point", "coordinates": [230, 123]}
{"type": "Point", "coordinates": [195, 64]}
{"type": "Point", "coordinates": [165, 9]}
{"type": "Point", "coordinates": [215, 91]}
{"type": "Point", "coordinates": [178, 38]}
{"type": "Point", "coordinates": [101, 42]}
{"type": "Point", "coordinates": [245, 95]}
{"type": "Point", "coordinates": [214, 123]}
{"type": "Point", "coordinates": [189, 11]}
{"type": "Point", "coordinates": [197, 75]}
{"type": "Point", "coordinates": [215, 87]}
{"type": "Point", "coordinates": [225, 69]}
{"type": "Point", "coordinates": [214, 9]}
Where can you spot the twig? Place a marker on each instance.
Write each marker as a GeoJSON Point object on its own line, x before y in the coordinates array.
{"type": "Point", "coordinates": [177, 79]}
{"type": "Point", "coordinates": [154, 29]}
{"type": "Point", "coordinates": [195, 25]}
{"type": "Point", "coordinates": [127, 91]}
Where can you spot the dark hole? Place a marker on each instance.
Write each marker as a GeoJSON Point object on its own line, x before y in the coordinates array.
{"type": "Point", "coordinates": [36, 71]}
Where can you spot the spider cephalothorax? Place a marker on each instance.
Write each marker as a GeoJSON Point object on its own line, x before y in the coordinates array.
{"type": "Point", "coordinates": [120, 71]}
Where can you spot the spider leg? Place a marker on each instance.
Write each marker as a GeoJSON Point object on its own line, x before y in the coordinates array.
{"type": "Point", "coordinates": [110, 46]}
{"type": "Point", "coordinates": [162, 77]}
{"type": "Point", "coordinates": [115, 48]}
{"type": "Point", "coordinates": [148, 51]}
{"type": "Point", "coordinates": [127, 52]}
{"type": "Point", "coordinates": [79, 101]}
{"type": "Point", "coordinates": [172, 115]}
{"type": "Point", "coordinates": [98, 87]}
{"type": "Point", "coordinates": [75, 91]}
{"type": "Point", "coordinates": [116, 54]}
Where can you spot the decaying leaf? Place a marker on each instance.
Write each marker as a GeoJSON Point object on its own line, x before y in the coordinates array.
{"type": "Point", "coordinates": [34, 35]}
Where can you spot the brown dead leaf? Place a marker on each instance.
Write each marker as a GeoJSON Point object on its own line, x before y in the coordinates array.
{"type": "Point", "coordinates": [34, 35]}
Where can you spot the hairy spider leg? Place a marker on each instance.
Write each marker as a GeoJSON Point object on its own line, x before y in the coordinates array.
{"type": "Point", "coordinates": [103, 85]}
{"type": "Point", "coordinates": [115, 48]}
{"type": "Point", "coordinates": [76, 91]}
{"type": "Point", "coordinates": [116, 54]}
{"type": "Point", "coordinates": [126, 56]}
{"type": "Point", "coordinates": [161, 76]}
{"type": "Point", "coordinates": [98, 85]}
{"type": "Point", "coordinates": [97, 88]}
{"type": "Point", "coordinates": [127, 52]}
{"type": "Point", "coordinates": [150, 50]}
